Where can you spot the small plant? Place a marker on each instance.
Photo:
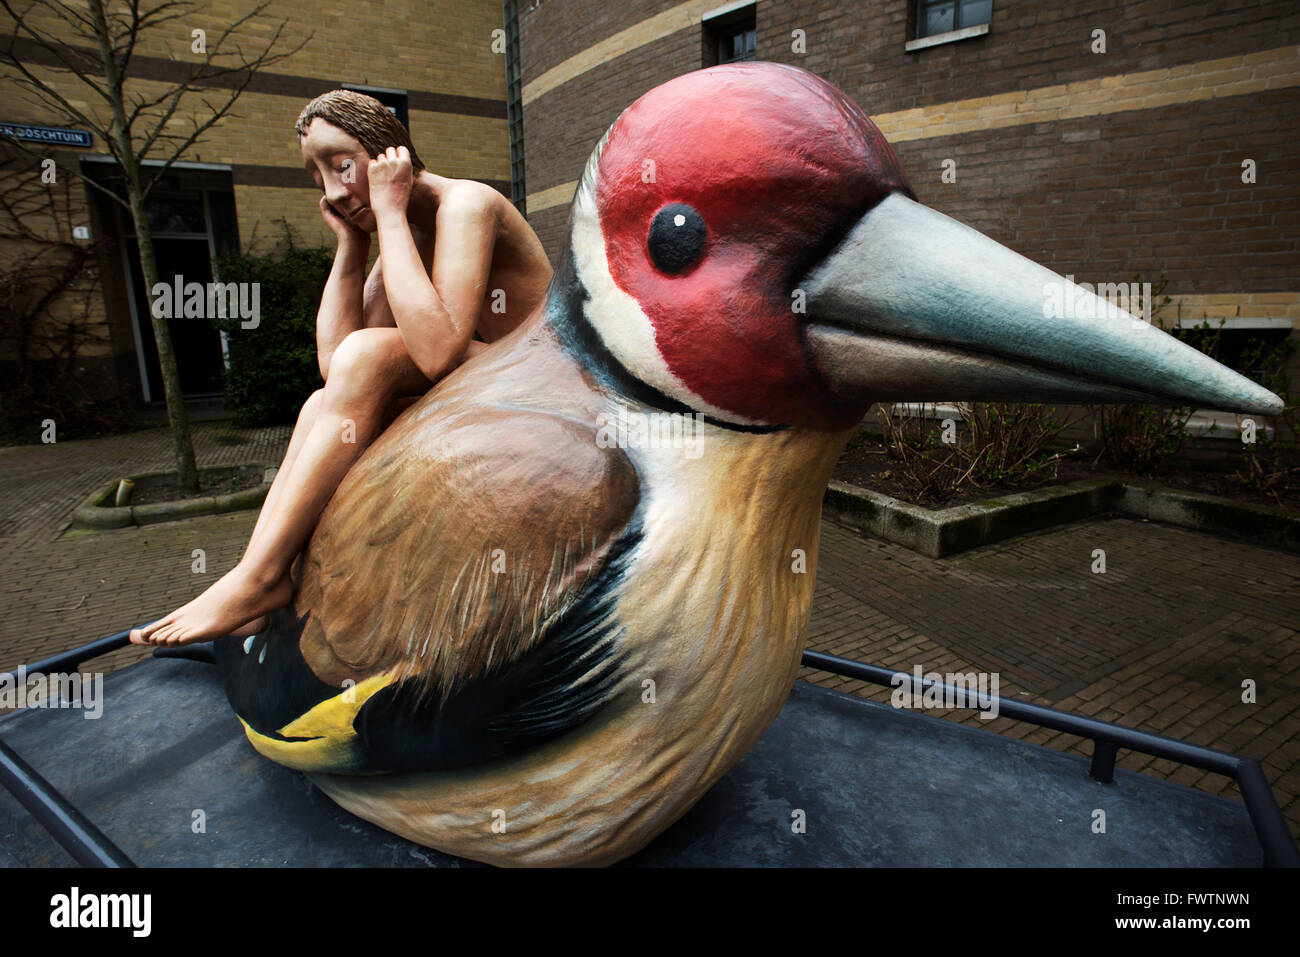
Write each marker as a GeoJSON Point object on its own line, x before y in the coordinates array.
{"type": "Point", "coordinates": [1272, 465]}
{"type": "Point", "coordinates": [911, 439]}
{"type": "Point", "coordinates": [1008, 446]}
{"type": "Point", "coordinates": [1009, 442]}
{"type": "Point", "coordinates": [1146, 438]}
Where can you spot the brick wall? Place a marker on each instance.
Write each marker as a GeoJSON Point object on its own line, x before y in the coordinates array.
{"type": "Point", "coordinates": [1150, 192]}
{"type": "Point", "coordinates": [1101, 165]}
{"type": "Point", "coordinates": [859, 46]}
{"type": "Point", "coordinates": [562, 127]}
{"type": "Point", "coordinates": [440, 51]}
{"type": "Point", "coordinates": [1146, 190]}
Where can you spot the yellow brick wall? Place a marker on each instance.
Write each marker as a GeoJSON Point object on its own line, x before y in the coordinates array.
{"type": "Point", "coordinates": [80, 301]}
{"type": "Point", "coordinates": [262, 210]}
{"type": "Point", "coordinates": [454, 145]}
{"type": "Point", "coordinates": [438, 46]}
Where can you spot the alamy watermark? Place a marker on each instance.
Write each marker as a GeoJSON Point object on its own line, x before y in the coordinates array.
{"type": "Point", "coordinates": [952, 690]}
{"type": "Point", "coordinates": [216, 300]}
{"type": "Point", "coordinates": [22, 690]}
{"type": "Point", "coordinates": [133, 912]}
{"type": "Point", "coordinates": [626, 429]}
{"type": "Point", "coordinates": [1116, 300]}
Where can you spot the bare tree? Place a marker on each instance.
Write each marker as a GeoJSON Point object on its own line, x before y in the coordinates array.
{"type": "Point", "coordinates": [138, 122]}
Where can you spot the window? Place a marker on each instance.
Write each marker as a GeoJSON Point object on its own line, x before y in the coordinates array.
{"type": "Point", "coordinates": [1255, 351]}
{"type": "Point", "coordinates": [395, 100]}
{"type": "Point", "coordinates": [730, 34]}
{"type": "Point", "coordinates": [736, 44]}
{"type": "Point", "coordinates": [1256, 348]}
{"type": "Point", "coordinates": [944, 16]}
{"type": "Point", "coordinates": [191, 211]}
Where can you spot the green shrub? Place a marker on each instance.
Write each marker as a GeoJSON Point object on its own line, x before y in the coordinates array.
{"type": "Point", "coordinates": [1147, 439]}
{"type": "Point", "coordinates": [273, 367]}
{"type": "Point", "coordinates": [1271, 463]}
{"type": "Point", "coordinates": [1009, 445]}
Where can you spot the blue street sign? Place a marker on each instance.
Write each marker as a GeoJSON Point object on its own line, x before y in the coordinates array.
{"type": "Point", "coordinates": [54, 135]}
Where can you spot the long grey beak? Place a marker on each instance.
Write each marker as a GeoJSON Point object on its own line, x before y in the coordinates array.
{"type": "Point", "coordinates": [915, 306]}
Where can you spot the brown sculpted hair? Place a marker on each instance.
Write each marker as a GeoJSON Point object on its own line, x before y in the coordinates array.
{"type": "Point", "coordinates": [362, 117]}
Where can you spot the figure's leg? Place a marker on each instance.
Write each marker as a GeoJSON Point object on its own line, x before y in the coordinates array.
{"type": "Point", "coordinates": [367, 371]}
{"type": "Point", "coordinates": [306, 417]}
{"type": "Point", "coordinates": [404, 402]}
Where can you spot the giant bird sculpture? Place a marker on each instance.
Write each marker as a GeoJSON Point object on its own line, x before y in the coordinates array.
{"type": "Point", "coordinates": [485, 598]}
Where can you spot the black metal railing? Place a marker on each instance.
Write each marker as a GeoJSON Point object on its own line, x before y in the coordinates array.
{"type": "Point", "coordinates": [87, 844]}
{"type": "Point", "coordinates": [1270, 827]}
{"type": "Point", "coordinates": [91, 847]}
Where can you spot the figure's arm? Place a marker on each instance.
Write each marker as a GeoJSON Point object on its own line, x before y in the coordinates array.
{"type": "Point", "coordinates": [436, 315]}
{"type": "Point", "coordinates": [374, 308]}
{"type": "Point", "coordinates": [341, 302]}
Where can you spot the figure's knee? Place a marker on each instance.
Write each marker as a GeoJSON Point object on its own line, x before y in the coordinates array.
{"type": "Point", "coordinates": [311, 407]}
{"type": "Point", "coordinates": [361, 368]}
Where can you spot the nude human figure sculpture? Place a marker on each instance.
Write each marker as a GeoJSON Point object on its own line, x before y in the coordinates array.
{"type": "Point", "coordinates": [455, 258]}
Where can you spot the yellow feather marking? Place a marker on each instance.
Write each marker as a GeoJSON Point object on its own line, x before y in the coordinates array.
{"type": "Point", "coordinates": [328, 725]}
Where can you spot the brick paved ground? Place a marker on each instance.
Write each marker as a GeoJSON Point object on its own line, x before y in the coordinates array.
{"type": "Point", "coordinates": [61, 588]}
{"type": "Point", "coordinates": [1161, 641]}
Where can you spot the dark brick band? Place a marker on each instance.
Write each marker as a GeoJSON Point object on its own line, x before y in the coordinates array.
{"type": "Point", "coordinates": [295, 177]}
{"type": "Point", "coordinates": [275, 84]}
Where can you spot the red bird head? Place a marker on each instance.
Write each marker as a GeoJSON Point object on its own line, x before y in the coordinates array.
{"type": "Point", "coordinates": [744, 244]}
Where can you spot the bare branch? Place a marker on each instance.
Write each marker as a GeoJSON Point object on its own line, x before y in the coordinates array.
{"type": "Point", "coordinates": [74, 169]}
{"type": "Point", "coordinates": [149, 19]}
{"type": "Point", "coordinates": [76, 16]}
{"type": "Point", "coordinates": [132, 31]}
{"type": "Point", "coordinates": [52, 46]}
{"type": "Point", "coordinates": [246, 70]}
{"type": "Point", "coordinates": [157, 15]}
{"type": "Point", "coordinates": [161, 124]}
{"type": "Point", "coordinates": [201, 128]}
{"type": "Point", "coordinates": [49, 94]}
{"type": "Point", "coordinates": [140, 105]}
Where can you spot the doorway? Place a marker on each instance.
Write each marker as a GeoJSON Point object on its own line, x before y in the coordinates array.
{"type": "Point", "coordinates": [191, 213]}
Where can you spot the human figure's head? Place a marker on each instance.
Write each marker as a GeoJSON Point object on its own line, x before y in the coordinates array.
{"type": "Point", "coordinates": [340, 132]}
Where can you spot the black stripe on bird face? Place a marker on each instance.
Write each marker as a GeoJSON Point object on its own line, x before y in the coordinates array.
{"type": "Point", "coordinates": [566, 312]}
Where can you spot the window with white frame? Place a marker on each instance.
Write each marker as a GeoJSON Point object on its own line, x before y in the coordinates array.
{"type": "Point", "coordinates": [934, 17]}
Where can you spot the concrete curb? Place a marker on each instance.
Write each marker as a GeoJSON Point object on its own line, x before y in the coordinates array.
{"type": "Point", "coordinates": [1258, 524]}
{"type": "Point", "coordinates": [942, 532]}
{"type": "Point", "coordinates": [95, 514]}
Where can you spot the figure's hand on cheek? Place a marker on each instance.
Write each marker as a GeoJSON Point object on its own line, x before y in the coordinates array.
{"type": "Point", "coordinates": [341, 227]}
{"type": "Point", "coordinates": [390, 180]}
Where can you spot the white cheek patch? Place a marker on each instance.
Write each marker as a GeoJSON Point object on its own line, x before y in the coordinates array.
{"type": "Point", "coordinates": [618, 318]}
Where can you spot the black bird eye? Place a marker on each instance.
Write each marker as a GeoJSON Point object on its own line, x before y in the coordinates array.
{"type": "Point", "coordinates": [676, 239]}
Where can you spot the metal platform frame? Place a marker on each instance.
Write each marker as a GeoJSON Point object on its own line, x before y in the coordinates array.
{"type": "Point", "coordinates": [90, 847]}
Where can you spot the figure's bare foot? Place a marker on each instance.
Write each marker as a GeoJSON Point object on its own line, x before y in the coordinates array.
{"type": "Point", "coordinates": [252, 628]}
{"type": "Point", "coordinates": [240, 596]}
